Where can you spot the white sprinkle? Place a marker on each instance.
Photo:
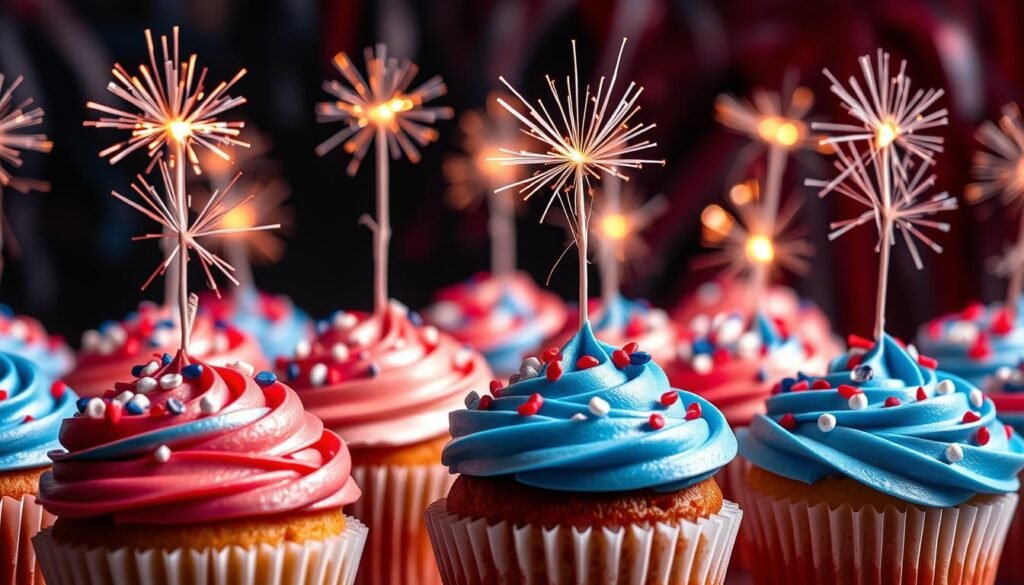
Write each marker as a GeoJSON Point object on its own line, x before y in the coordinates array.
{"type": "Point", "coordinates": [532, 363]}
{"type": "Point", "coordinates": [124, 397]}
{"type": "Point", "coordinates": [400, 343]}
{"type": "Point", "coordinates": [95, 408]}
{"type": "Point", "coordinates": [527, 373]}
{"type": "Point", "coordinates": [599, 406]}
{"type": "Point", "coordinates": [977, 398]}
{"type": "Point", "coordinates": [398, 306]}
{"type": "Point", "coordinates": [463, 356]}
{"type": "Point", "coordinates": [431, 335]}
{"type": "Point", "coordinates": [954, 453]}
{"type": "Point", "coordinates": [730, 331]}
{"type": "Point", "coordinates": [18, 330]}
{"type": "Point", "coordinates": [151, 368]}
{"type": "Point", "coordinates": [446, 314]}
{"type": "Point", "coordinates": [749, 345]}
{"type": "Point", "coordinates": [318, 374]}
{"type": "Point", "coordinates": [162, 454]}
{"type": "Point", "coordinates": [302, 350]}
{"type": "Point", "coordinates": [343, 320]}
{"type": "Point", "coordinates": [206, 405]}
{"type": "Point", "coordinates": [700, 325]}
{"type": "Point", "coordinates": [116, 334]}
{"type": "Point", "coordinates": [579, 416]}
{"type": "Point", "coordinates": [339, 352]}
{"type": "Point", "coordinates": [912, 350]}
{"type": "Point", "coordinates": [171, 381]}
{"type": "Point", "coordinates": [361, 336]}
{"type": "Point", "coordinates": [105, 346]}
{"type": "Point", "coordinates": [140, 400]}
{"type": "Point", "coordinates": [827, 422]}
{"type": "Point", "coordinates": [684, 350]}
{"type": "Point", "coordinates": [145, 384]}
{"type": "Point", "coordinates": [945, 387]}
{"type": "Point", "coordinates": [471, 398]}
{"type": "Point", "coordinates": [656, 318]}
{"type": "Point", "coordinates": [221, 343]}
{"type": "Point", "coordinates": [245, 368]}
{"type": "Point", "coordinates": [90, 339]}
{"type": "Point", "coordinates": [161, 337]}
{"type": "Point", "coordinates": [858, 401]}
{"type": "Point", "coordinates": [718, 319]}
{"type": "Point", "coordinates": [962, 332]}
{"type": "Point", "coordinates": [1004, 373]}
{"type": "Point", "coordinates": [702, 363]}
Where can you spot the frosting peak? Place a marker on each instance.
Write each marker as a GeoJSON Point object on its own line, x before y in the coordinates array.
{"type": "Point", "coordinates": [592, 418]}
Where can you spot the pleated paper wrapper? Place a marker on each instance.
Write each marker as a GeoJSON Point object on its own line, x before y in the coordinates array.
{"type": "Point", "coordinates": [333, 561]}
{"type": "Point", "coordinates": [793, 542]}
{"type": "Point", "coordinates": [20, 520]}
{"type": "Point", "coordinates": [472, 552]}
{"type": "Point", "coordinates": [1011, 568]}
{"type": "Point", "coordinates": [394, 501]}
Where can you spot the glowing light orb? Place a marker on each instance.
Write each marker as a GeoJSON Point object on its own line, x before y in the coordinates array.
{"type": "Point", "coordinates": [760, 249]}
{"type": "Point", "coordinates": [887, 133]}
{"type": "Point", "coordinates": [180, 130]}
{"type": "Point", "coordinates": [614, 226]}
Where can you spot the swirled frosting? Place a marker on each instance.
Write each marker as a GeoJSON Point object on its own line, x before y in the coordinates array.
{"type": "Point", "coordinates": [593, 419]}
{"type": "Point", "coordinates": [384, 380]}
{"type": "Point", "coordinates": [890, 422]}
{"type": "Point", "coordinates": [623, 321]}
{"type": "Point", "coordinates": [112, 349]}
{"type": "Point", "coordinates": [274, 320]}
{"type": "Point", "coordinates": [28, 338]}
{"type": "Point", "coordinates": [502, 317]}
{"type": "Point", "coordinates": [205, 444]}
{"type": "Point", "coordinates": [32, 407]}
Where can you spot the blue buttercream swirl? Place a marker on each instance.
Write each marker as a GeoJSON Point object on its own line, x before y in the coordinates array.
{"type": "Point", "coordinates": [30, 415]}
{"type": "Point", "coordinates": [556, 449]}
{"type": "Point", "coordinates": [900, 450]}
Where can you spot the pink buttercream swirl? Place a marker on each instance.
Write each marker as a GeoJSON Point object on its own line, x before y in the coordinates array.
{"type": "Point", "coordinates": [381, 380]}
{"type": "Point", "coordinates": [237, 449]}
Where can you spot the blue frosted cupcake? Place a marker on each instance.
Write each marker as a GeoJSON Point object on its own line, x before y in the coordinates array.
{"type": "Point", "coordinates": [580, 445]}
{"type": "Point", "coordinates": [26, 337]}
{"type": "Point", "coordinates": [879, 457]}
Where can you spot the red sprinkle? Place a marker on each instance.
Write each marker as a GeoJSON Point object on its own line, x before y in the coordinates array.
{"type": "Point", "coordinates": [935, 329]}
{"type": "Point", "coordinates": [847, 391]}
{"type": "Point", "coordinates": [980, 349]}
{"type": "Point", "coordinates": [983, 436]}
{"type": "Point", "coordinates": [720, 356]}
{"type": "Point", "coordinates": [927, 362]}
{"type": "Point", "coordinates": [157, 410]}
{"type": "Point", "coordinates": [799, 386]}
{"type": "Point", "coordinates": [859, 342]}
{"type": "Point", "coordinates": [854, 360]}
{"type": "Point", "coordinates": [620, 358]}
{"type": "Point", "coordinates": [586, 362]}
{"type": "Point", "coordinates": [28, 418]}
{"type": "Point", "coordinates": [1001, 323]}
{"type": "Point", "coordinates": [892, 401]}
{"type": "Point", "coordinates": [973, 311]}
{"type": "Point", "coordinates": [114, 412]}
{"type": "Point", "coordinates": [131, 346]}
{"type": "Point", "coordinates": [693, 412]}
{"type": "Point", "coordinates": [58, 388]}
{"type": "Point", "coordinates": [3, 394]}
{"type": "Point", "coordinates": [549, 354]}
{"type": "Point", "coordinates": [970, 416]}
{"type": "Point", "coordinates": [656, 421]}
{"type": "Point", "coordinates": [630, 347]}
{"type": "Point", "coordinates": [496, 387]}
{"type": "Point", "coordinates": [532, 405]}
{"type": "Point", "coordinates": [635, 326]}
{"type": "Point", "coordinates": [669, 398]}
{"type": "Point", "coordinates": [821, 385]}
{"type": "Point", "coordinates": [921, 394]}
{"type": "Point", "coordinates": [788, 421]}
{"type": "Point", "coordinates": [553, 371]}
{"type": "Point", "coordinates": [485, 402]}
{"type": "Point", "coordinates": [1009, 432]}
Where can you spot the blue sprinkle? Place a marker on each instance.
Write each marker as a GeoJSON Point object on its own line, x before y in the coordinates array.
{"type": "Point", "coordinates": [175, 406]}
{"type": "Point", "coordinates": [762, 375]}
{"type": "Point", "coordinates": [137, 371]}
{"type": "Point", "coordinates": [134, 407]}
{"type": "Point", "coordinates": [165, 324]}
{"type": "Point", "coordinates": [415, 319]}
{"type": "Point", "coordinates": [702, 345]}
{"type": "Point", "coordinates": [153, 342]}
{"type": "Point", "coordinates": [132, 316]}
{"type": "Point", "coordinates": [167, 359]}
{"type": "Point", "coordinates": [221, 324]}
{"type": "Point", "coordinates": [81, 403]}
{"type": "Point", "coordinates": [374, 370]}
{"type": "Point", "coordinates": [322, 326]}
{"type": "Point", "coordinates": [192, 371]}
{"type": "Point", "coordinates": [265, 378]}
{"type": "Point", "coordinates": [293, 371]}
{"type": "Point", "coordinates": [639, 358]}
{"type": "Point", "coordinates": [6, 310]}
{"type": "Point", "coordinates": [108, 325]}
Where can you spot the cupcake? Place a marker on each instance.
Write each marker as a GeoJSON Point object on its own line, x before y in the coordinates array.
{"type": "Point", "coordinates": [113, 349]}
{"type": "Point", "coordinates": [624, 320]}
{"type": "Point", "coordinates": [982, 344]}
{"type": "Point", "coordinates": [385, 383]}
{"type": "Point", "coordinates": [26, 337]}
{"type": "Point", "coordinates": [504, 318]}
{"type": "Point", "coordinates": [882, 471]}
{"type": "Point", "coordinates": [197, 470]}
{"type": "Point", "coordinates": [274, 320]}
{"type": "Point", "coordinates": [32, 407]}
{"type": "Point", "coordinates": [590, 468]}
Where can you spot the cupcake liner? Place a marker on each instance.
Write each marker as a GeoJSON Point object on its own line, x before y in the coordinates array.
{"type": "Point", "coordinates": [393, 503]}
{"type": "Point", "coordinates": [729, 478]}
{"type": "Point", "coordinates": [472, 551]}
{"type": "Point", "coordinates": [1011, 567]}
{"type": "Point", "coordinates": [793, 542]}
{"type": "Point", "coordinates": [20, 520]}
{"type": "Point", "coordinates": [333, 561]}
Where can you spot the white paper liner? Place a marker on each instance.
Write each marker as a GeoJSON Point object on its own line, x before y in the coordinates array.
{"type": "Point", "coordinates": [394, 501]}
{"type": "Point", "coordinates": [1011, 567]}
{"type": "Point", "coordinates": [20, 520]}
{"type": "Point", "coordinates": [333, 561]}
{"type": "Point", "coordinates": [471, 551]}
{"type": "Point", "coordinates": [728, 479]}
{"type": "Point", "coordinates": [792, 542]}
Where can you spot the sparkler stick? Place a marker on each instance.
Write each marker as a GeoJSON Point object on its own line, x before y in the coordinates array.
{"type": "Point", "coordinates": [15, 117]}
{"type": "Point", "coordinates": [591, 140]}
{"type": "Point", "coordinates": [380, 109]}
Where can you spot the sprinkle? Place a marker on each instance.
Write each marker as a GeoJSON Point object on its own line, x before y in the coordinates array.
{"type": "Point", "coordinates": [206, 405]}
{"type": "Point", "coordinates": [656, 421]}
{"type": "Point", "coordinates": [549, 354]}
{"type": "Point", "coordinates": [114, 412]}
{"type": "Point", "coordinates": [265, 378]}
{"type": "Point", "coordinates": [496, 387]}
{"type": "Point", "coordinates": [245, 368]}
{"type": "Point", "coordinates": [921, 394]}
{"type": "Point", "coordinates": [343, 320]}
{"type": "Point", "coordinates": [81, 403]}
{"type": "Point", "coordinates": [532, 406]}
{"type": "Point", "coordinates": [945, 388]}
{"type": "Point", "coordinates": [192, 371]}
{"type": "Point", "coordinates": [859, 342]}
{"type": "Point", "coordinates": [150, 368]}
{"type": "Point", "coordinates": [416, 319]}
{"type": "Point", "coordinates": [693, 412]}
{"type": "Point", "coordinates": [1004, 373]}
{"type": "Point", "coordinates": [620, 358]}
{"type": "Point", "coordinates": [579, 416]}
{"type": "Point", "coordinates": [639, 358]}
{"type": "Point", "coordinates": [630, 347]}
{"type": "Point", "coordinates": [862, 373]}
{"type": "Point", "coordinates": [799, 386]}
{"type": "Point", "coordinates": [28, 418]}
{"type": "Point", "coordinates": [599, 406]}
{"type": "Point", "coordinates": [854, 360]}
{"type": "Point", "coordinates": [339, 352]}
{"type": "Point", "coordinates": [167, 359]}
{"type": "Point", "coordinates": [587, 362]}
{"type": "Point", "coordinates": [983, 436]}
{"type": "Point", "coordinates": [431, 335]}
{"type": "Point", "coordinates": [471, 398]}
{"type": "Point", "coordinates": [821, 385]}
{"type": "Point", "coordinates": [971, 417]}
{"type": "Point", "coordinates": [669, 398]}
{"type": "Point", "coordinates": [977, 398]}
{"type": "Point", "coordinates": [293, 370]}
{"type": "Point", "coordinates": [892, 401]}
{"type": "Point", "coordinates": [137, 405]}
{"type": "Point", "coordinates": [95, 408]}
{"type": "Point", "coordinates": [702, 364]}
{"type": "Point", "coordinates": [174, 406]}
{"type": "Point", "coordinates": [514, 379]}
{"type": "Point", "coordinates": [847, 391]}
{"type": "Point", "coordinates": [485, 402]}
{"type": "Point", "coordinates": [1001, 323]}
{"type": "Point", "coordinates": [554, 371]}
{"type": "Point", "coordinates": [912, 351]}
{"type": "Point", "coordinates": [858, 401]}
{"type": "Point", "coordinates": [145, 384]}
{"type": "Point", "coordinates": [981, 349]}
{"type": "Point", "coordinates": [954, 453]}
{"type": "Point", "coordinates": [137, 371]}
{"type": "Point", "coordinates": [927, 362]}
{"type": "Point", "coordinates": [1009, 432]}
{"type": "Point", "coordinates": [171, 381]}
{"type": "Point", "coordinates": [373, 370]}
{"type": "Point", "coordinates": [827, 422]}
{"type": "Point", "coordinates": [530, 362]}
{"type": "Point", "coordinates": [973, 311]}
{"type": "Point", "coordinates": [788, 421]}
{"type": "Point", "coordinates": [463, 357]}
{"type": "Point", "coordinates": [124, 397]}
{"type": "Point", "coordinates": [162, 454]}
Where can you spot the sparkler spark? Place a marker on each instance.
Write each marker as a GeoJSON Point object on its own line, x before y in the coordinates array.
{"type": "Point", "coordinates": [267, 205]}
{"type": "Point", "coordinates": [771, 118]}
{"type": "Point", "coordinates": [589, 141]}
{"type": "Point", "coordinates": [15, 117]}
{"type": "Point", "coordinates": [170, 110]}
{"type": "Point", "coordinates": [380, 104]}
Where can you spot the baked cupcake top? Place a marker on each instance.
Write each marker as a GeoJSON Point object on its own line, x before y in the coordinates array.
{"type": "Point", "coordinates": [274, 320]}
{"type": "Point", "coordinates": [590, 418]}
{"type": "Point", "coordinates": [886, 418]}
{"type": "Point", "coordinates": [112, 349]}
{"type": "Point", "coordinates": [186, 442]}
{"type": "Point", "coordinates": [32, 407]}
{"type": "Point", "coordinates": [502, 317]}
{"type": "Point", "coordinates": [24, 336]}
{"type": "Point", "coordinates": [627, 320]}
{"type": "Point", "coordinates": [975, 342]}
{"type": "Point", "coordinates": [384, 380]}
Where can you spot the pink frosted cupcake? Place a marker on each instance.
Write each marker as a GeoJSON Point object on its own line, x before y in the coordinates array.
{"type": "Point", "coordinates": [386, 383]}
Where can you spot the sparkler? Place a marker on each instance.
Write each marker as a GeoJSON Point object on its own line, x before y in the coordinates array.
{"type": "Point", "coordinates": [1000, 172]}
{"type": "Point", "coordinates": [591, 140]}
{"type": "Point", "coordinates": [15, 117]}
{"type": "Point", "coordinates": [380, 109]}
{"type": "Point", "coordinates": [170, 114]}
{"type": "Point", "coordinates": [171, 212]}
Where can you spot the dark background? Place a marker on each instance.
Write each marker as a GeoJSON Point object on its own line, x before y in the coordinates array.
{"type": "Point", "coordinates": [79, 267]}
